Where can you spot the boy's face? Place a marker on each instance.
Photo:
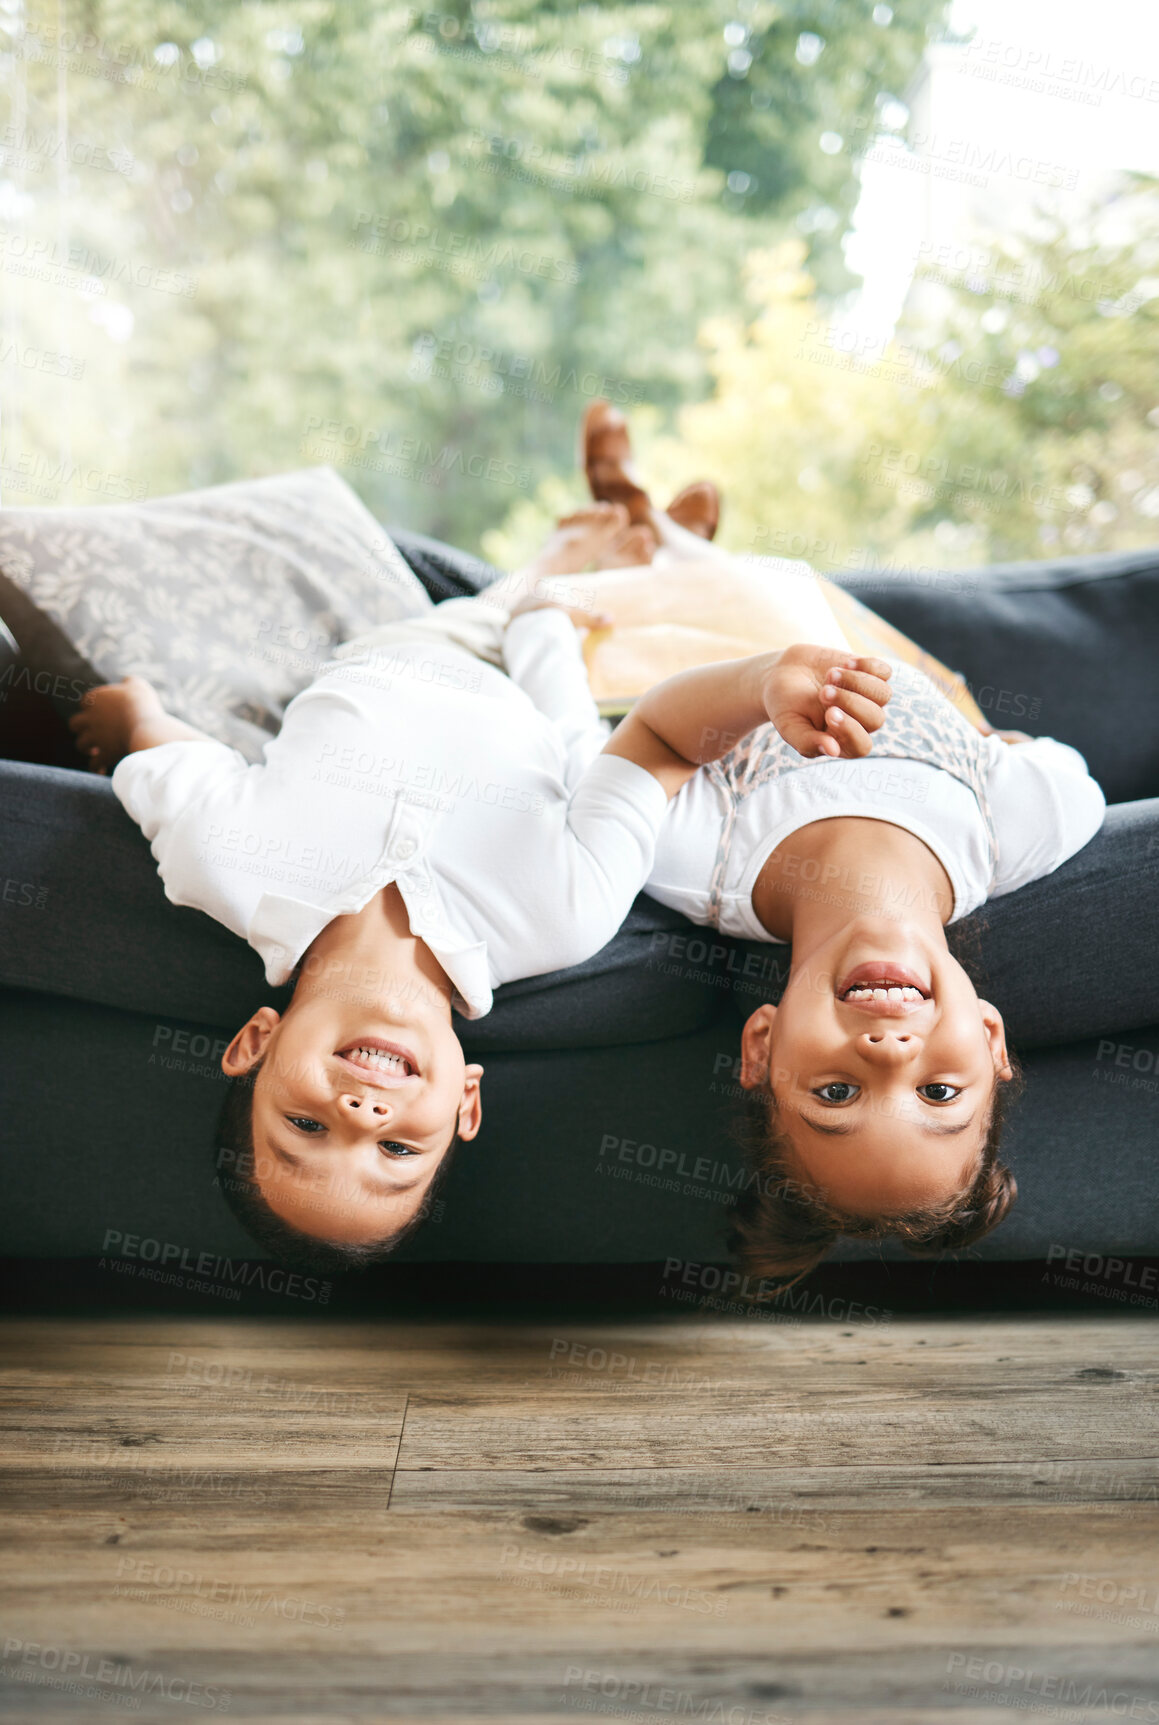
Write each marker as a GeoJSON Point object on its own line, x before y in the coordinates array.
{"type": "Point", "coordinates": [885, 1092]}
{"type": "Point", "coordinates": [355, 1106]}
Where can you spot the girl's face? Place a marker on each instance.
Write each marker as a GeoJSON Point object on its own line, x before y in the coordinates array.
{"type": "Point", "coordinates": [883, 1062]}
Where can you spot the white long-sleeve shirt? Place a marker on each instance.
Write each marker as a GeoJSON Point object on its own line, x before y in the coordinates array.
{"type": "Point", "coordinates": [411, 760]}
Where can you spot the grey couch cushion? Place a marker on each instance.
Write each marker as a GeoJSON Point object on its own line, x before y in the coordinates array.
{"type": "Point", "coordinates": [227, 600]}
{"type": "Point", "coordinates": [1062, 649]}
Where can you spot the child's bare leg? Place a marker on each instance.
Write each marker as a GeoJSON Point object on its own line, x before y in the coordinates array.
{"type": "Point", "coordinates": [118, 719]}
{"type": "Point", "coordinates": [599, 536]}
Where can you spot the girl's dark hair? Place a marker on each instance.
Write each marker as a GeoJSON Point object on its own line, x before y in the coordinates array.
{"type": "Point", "coordinates": [236, 1176]}
{"type": "Point", "coordinates": [781, 1228]}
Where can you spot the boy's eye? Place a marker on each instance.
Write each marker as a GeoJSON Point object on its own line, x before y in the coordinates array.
{"type": "Point", "coordinates": [939, 1092]}
{"type": "Point", "coordinates": [837, 1092]}
{"type": "Point", "coordinates": [305, 1124]}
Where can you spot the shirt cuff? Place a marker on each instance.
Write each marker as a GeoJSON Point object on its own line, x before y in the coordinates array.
{"type": "Point", "coordinates": [137, 778]}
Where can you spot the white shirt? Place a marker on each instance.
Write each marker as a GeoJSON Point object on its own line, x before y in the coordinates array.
{"type": "Point", "coordinates": [1044, 804]}
{"type": "Point", "coordinates": [409, 760]}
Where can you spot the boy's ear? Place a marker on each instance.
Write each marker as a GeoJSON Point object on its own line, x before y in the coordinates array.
{"type": "Point", "coordinates": [996, 1037]}
{"type": "Point", "coordinates": [471, 1106]}
{"type": "Point", "coordinates": [249, 1045]}
{"type": "Point", "coordinates": [756, 1048]}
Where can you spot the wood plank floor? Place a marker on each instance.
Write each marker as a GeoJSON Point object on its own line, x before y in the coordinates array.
{"type": "Point", "coordinates": [736, 1523]}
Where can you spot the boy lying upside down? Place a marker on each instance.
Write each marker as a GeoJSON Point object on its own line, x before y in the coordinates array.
{"type": "Point", "coordinates": [478, 826]}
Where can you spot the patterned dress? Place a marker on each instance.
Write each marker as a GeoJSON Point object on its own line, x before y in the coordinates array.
{"type": "Point", "coordinates": [920, 725]}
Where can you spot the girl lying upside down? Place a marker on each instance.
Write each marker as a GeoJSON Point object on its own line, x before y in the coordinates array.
{"type": "Point", "coordinates": [875, 1087]}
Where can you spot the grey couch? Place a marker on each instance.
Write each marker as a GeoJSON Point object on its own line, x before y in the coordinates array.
{"type": "Point", "coordinates": [609, 1092]}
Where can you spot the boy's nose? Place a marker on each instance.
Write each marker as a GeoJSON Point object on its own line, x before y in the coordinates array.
{"type": "Point", "coordinates": [889, 1047]}
{"type": "Point", "coordinates": [363, 1107]}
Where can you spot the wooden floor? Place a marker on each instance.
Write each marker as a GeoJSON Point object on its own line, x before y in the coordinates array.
{"type": "Point", "coordinates": [730, 1522]}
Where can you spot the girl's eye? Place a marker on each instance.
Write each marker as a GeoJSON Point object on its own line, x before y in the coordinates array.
{"type": "Point", "coordinates": [393, 1149]}
{"type": "Point", "coordinates": [837, 1092]}
{"type": "Point", "coordinates": [303, 1124]}
{"type": "Point", "coordinates": [939, 1092]}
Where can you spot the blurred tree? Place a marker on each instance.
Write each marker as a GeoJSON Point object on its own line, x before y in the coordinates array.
{"type": "Point", "coordinates": [411, 242]}
{"type": "Point", "coordinates": [1015, 415]}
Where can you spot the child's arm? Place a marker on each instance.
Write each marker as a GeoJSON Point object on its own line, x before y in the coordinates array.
{"type": "Point", "coordinates": [821, 702]}
{"type": "Point", "coordinates": [118, 719]}
{"type": "Point", "coordinates": [543, 655]}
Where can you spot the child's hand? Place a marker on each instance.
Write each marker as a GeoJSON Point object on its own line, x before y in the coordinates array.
{"type": "Point", "coordinates": [104, 727]}
{"type": "Point", "coordinates": [824, 703]}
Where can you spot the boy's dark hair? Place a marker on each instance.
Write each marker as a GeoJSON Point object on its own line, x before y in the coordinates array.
{"type": "Point", "coordinates": [237, 1178]}
{"type": "Point", "coordinates": [781, 1228]}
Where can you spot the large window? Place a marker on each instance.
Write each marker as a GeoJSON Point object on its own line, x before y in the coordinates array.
{"type": "Point", "coordinates": [238, 238]}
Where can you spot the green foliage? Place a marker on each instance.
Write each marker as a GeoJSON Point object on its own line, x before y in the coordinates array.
{"type": "Point", "coordinates": [1015, 415]}
{"type": "Point", "coordinates": [416, 242]}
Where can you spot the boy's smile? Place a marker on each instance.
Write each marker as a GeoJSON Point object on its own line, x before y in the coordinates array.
{"type": "Point", "coordinates": [385, 1064]}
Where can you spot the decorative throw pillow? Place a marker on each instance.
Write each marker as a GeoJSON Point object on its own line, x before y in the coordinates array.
{"type": "Point", "coordinates": [228, 600]}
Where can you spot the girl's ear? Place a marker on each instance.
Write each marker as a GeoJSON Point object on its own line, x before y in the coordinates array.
{"type": "Point", "coordinates": [471, 1105]}
{"type": "Point", "coordinates": [756, 1048]}
{"type": "Point", "coordinates": [996, 1037]}
{"type": "Point", "coordinates": [249, 1045]}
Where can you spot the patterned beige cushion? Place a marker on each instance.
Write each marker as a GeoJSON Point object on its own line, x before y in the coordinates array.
{"type": "Point", "coordinates": [227, 600]}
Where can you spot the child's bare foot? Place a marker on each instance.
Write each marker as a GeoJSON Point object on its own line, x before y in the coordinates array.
{"type": "Point", "coordinates": [109, 717]}
{"type": "Point", "coordinates": [599, 536]}
{"type": "Point", "coordinates": [632, 547]}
